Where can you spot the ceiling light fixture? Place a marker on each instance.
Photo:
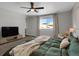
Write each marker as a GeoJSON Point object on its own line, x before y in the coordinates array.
{"type": "Point", "coordinates": [32, 9]}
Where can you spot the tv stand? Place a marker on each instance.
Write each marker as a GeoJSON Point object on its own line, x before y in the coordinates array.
{"type": "Point", "coordinates": [5, 40]}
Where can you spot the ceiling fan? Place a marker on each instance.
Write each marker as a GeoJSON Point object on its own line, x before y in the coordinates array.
{"type": "Point", "coordinates": [33, 8]}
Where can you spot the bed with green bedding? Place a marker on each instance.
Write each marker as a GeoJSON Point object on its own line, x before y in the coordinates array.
{"type": "Point", "coordinates": [49, 48]}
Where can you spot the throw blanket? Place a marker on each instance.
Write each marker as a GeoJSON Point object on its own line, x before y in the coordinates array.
{"type": "Point", "coordinates": [27, 48]}
{"type": "Point", "coordinates": [24, 50]}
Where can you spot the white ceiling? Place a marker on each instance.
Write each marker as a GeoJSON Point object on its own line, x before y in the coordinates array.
{"type": "Point", "coordinates": [49, 7]}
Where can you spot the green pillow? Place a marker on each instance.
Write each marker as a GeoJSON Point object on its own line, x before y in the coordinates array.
{"type": "Point", "coordinates": [57, 45]}
{"type": "Point", "coordinates": [74, 48]}
{"type": "Point", "coordinates": [56, 41]}
{"type": "Point", "coordinates": [39, 52]}
{"type": "Point", "coordinates": [53, 52]}
{"type": "Point", "coordinates": [64, 52]}
{"type": "Point", "coordinates": [47, 43]}
{"type": "Point", "coordinates": [45, 47]}
{"type": "Point", "coordinates": [71, 38]}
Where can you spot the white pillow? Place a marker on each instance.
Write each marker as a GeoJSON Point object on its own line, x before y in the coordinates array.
{"type": "Point", "coordinates": [60, 36]}
{"type": "Point", "coordinates": [64, 43]}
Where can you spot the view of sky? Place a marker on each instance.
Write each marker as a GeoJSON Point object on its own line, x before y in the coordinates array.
{"type": "Point", "coordinates": [46, 21]}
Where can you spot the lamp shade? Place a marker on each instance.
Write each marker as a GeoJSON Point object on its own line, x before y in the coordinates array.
{"type": "Point", "coordinates": [71, 30]}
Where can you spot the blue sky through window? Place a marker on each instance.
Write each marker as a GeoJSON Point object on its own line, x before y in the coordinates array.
{"type": "Point", "coordinates": [46, 21]}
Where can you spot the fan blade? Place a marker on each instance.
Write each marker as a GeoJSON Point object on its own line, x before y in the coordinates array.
{"type": "Point", "coordinates": [32, 5]}
{"type": "Point", "coordinates": [39, 8]}
{"type": "Point", "coordinates": [26, 7]}
{"type": "Point", "coordinates": [36, 11]}
{"type": "Point", "coordinates": [29, 10]}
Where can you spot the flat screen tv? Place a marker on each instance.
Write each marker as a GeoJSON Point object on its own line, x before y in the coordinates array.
{"type": "Point", "coordinates": [9, 31]}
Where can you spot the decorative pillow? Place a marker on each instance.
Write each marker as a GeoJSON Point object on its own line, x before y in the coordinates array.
{"type": "Point", "coordinates": [52, 51]}
{"type": "Point", "coordinates": [66, 34]}
{"type": "Point", "coordinates": [60, 36]}
{"type": "Point", "coordinates": [64, 43]}
{"type": "Point", "coordinates": [63, 35]}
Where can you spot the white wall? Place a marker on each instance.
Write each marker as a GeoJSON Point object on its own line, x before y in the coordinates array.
{"type": "Point", "coordinates": [10, 18]}
{"type": "Point", "coordinates": [65, 21]}
{"type": "Point", "coordinates": [32, 25]}
{"type": "Point", "coordinates": [75, 14]}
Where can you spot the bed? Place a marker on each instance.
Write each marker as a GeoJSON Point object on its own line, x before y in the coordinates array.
{"type": "Point", "coordinates": [47, 48]}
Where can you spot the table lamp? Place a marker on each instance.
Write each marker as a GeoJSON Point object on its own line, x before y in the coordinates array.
{"type": "Point", "coordinates": [71, 30]}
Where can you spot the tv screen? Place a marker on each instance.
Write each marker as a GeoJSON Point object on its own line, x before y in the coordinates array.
{"type": "Point", "coordinates": [9, 31]}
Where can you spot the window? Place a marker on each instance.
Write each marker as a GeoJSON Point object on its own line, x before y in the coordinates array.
{"type": "Point", "coordinates": [46, 23]}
